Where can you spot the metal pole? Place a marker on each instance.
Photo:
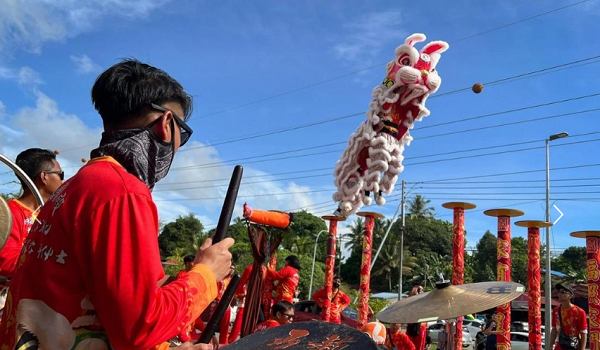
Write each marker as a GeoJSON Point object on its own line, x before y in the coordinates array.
{"type": "Point", "coordinates": [313, 266]}
{"type": "Point", "coordinates": [548, 285]}
{"type": "Point", "coordinates": [385, 236]}
{"type": "Point", "coordinates": [403, 202]}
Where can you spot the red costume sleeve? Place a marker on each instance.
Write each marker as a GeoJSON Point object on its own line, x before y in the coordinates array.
{"type": "Point", "coordinates": [344, 301]}
{"type": "Point", "coordinates": [241, 289]}
{"type": "Point", "coordinates": [320, 296]}
{"type": "Point", "coordinates": [9, 254]}
{"type": "Point", "coordinates": [582, 322]}
{"type": "Point", "coordinates": [120, 265]}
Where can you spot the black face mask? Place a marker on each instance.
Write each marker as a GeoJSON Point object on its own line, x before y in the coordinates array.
{"type": "Point", "coordinates": [139, 151]}
{"type": "Point", "coordinates": [336, 285]}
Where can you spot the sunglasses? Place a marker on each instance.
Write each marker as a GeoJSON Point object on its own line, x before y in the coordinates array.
{"type": "Point", "coordinates": [563, 291]}
{"type": "Point", "coordinates": [60, 173]}
{"type": "Point", "coordinates": [186, 131]}
{"type": "Point", "coordinates": [289, 317]}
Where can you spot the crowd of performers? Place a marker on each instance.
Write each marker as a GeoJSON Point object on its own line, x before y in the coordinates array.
{"type": "Point", "coordinates": [84, 270]}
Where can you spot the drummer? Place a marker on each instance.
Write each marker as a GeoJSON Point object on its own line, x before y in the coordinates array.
{"type": "Point", "coordinates": [90, 267]}
{"type": "Point", "coordinates": [283, 313]}
{"type": "Point", "coordinates": [41, 167]}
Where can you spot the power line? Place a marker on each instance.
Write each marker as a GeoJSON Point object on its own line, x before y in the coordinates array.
{"type": "Point", "coordinates": [512, 173]}
{"type": "Point", "coordinates": [221, 164]}
{"type": "Point", "coordinates": [509, 181]}
{"type": "Point", "coordinates": [244, 196]}
{"type": "Point", "coordinates": [511, 110]}
{"type": "Point", "coordinates": [329, 120]}
{"type": "Point", "coordinates": [384, 63]}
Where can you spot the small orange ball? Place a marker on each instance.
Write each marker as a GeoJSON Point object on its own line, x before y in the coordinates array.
{"type": "Point", "coordinates": [83, 160]}
{"type": "Point", "coordinates": [56, 151]}
{"type": "Point", "coordinates": [477, 88]}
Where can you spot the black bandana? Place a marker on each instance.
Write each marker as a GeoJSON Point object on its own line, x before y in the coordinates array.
{"type": "Point", "coordinates": [139, 151]}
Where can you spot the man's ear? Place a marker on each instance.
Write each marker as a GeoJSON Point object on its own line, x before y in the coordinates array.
{"type": "Point", "coordinates": [163, 127]}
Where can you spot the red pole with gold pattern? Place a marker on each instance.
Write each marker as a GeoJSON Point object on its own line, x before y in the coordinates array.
{"type": "Point", "coordinates": [330, 263]}
{"type": "Point", "coordinates": [504, 269]}
{"type": "Point", "coordinates": [458, 256]}
{"type": "Point", "coordinates": [592, 244]}
{"type": "Point", "coordinates": [534, 280]}
{"type": "Point", "coordinates": [365, 268]}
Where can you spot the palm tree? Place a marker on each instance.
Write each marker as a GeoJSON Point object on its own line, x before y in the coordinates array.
{"type": "Point", "coordinates": [417, 207]}
{"type": "Point", "coordinates": [355, 236]}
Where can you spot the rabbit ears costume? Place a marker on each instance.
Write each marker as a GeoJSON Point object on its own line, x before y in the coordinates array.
{"type": "Point", "coordinates": [373, 158]}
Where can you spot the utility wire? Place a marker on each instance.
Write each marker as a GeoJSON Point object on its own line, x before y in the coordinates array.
{"type": "Point", "coordinates": [384, 63]}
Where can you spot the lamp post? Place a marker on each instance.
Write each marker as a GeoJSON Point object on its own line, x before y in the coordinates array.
{"type": "Point", "coordinates": [548, 286]}
{"type": "Point", "coordinates": [313, 267]}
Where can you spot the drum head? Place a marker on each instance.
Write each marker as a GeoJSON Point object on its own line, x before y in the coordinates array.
{"type": "Point", "coordinates": [5, 222]}
{"type": "Point", "coordinates": [313, 335]}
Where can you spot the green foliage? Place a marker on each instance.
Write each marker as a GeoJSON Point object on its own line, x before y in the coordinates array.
{"type": "Point", "coordinates": [484, 258]}
{"type": "Point", "coordinates": [185, 233]}
{"type": "Point", "coordinates": [177, 256]}
{"type": "Point", "coordinates": [427, 250]}
{"type": "Point", "coordinates": [573, 262]}
{"type": "Point", "coordinates": [375, 304]}
{"type": "Point", "coordinates": [418, 207]}
{"type": "Point", "coordinates": [519, 260]}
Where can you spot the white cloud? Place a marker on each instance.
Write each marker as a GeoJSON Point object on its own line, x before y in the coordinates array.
{"type": "Point", "coordinates": [46, 125]}
{"type": "Point", "coordinates": [28, 24]}
{"type": "Point", "coordinates": [85, 65]}
{"type": "Point", "coordinates": [24, 76]}
{"type": "Point", "coordinates": [368, 35]}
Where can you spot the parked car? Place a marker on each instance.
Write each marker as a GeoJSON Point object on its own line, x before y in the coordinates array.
{"type": "Point", "coordinates": [518, 341]}
{"type": "Point", "coordinates": [474, 326]}
{"type": "Point", "coordinates": [436, 328]}
{"type": "Point", "coordinates": [307, 310]}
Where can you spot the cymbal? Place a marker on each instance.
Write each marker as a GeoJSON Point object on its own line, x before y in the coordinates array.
{"type": "Point", "coordinates": [306, 335]}
{"type": "Point", "coordinates": [6, 222]}
{"type": "Point", "coordinates": [448, 301]}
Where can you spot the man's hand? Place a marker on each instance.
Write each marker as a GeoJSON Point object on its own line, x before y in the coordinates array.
{"type": "Point", "coordinates": [191, 346]}
{"type": "Point", "coordinates": [216, 257]}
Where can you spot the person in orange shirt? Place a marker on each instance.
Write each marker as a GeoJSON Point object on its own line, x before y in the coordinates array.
{"type": "Point", "coordinates": [89, 270]}
{"type": "Point", "coordinates": [396, 339]}
{"type": "Point", "coordinates": [283, 313]}
{"type": "Point", "coordinates": [45, 172]}
{"type": "Point", "coordinates": [287, 278]}
{"type": "Point", "coordinates": [568, 319]}
{"type": "Point", "coordinates": [339, 300]}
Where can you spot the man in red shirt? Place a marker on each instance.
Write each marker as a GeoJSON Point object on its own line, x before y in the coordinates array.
{"type": "Point", "coordinates": [398, 339]}
{"type": "Point", "coordinates": [339, 300]}
{"type": "Point", "coordinates": [88, 272]}
{"type": "Point", "coordinates": [572, 320]}
{"type": "Point", "coordinates": [283, 313]}
{"type": "Point", "coordinates": [41, 167]}
{"type": "Point", "coordinates": [287, 279]}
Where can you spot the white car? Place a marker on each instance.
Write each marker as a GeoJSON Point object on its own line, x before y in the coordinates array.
{"type": "Point", "coordinates": [436, 328]}
{"type": "Point", "coordinates": [474, 326]}
{"type": "Point", "coordinates": [518, 341]}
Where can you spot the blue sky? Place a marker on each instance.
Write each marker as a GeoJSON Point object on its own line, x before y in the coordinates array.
{"type": "Point", "coordinates": [231, 54]}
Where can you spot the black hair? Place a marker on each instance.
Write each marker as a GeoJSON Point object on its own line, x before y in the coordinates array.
{"type": "Point", "coordinates": [281, 306]}
{"type": "Point", "coordinates": [293, 261]}
{"type": "Point", "coordinates": [188, 258]}
{"type": "Point", "coordinates": [125, 90]}
{"type": "Point", "coordinates": [33, 161]}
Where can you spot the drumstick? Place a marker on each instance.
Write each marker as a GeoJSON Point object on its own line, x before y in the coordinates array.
{"type": "Point", "coordinates": [217, 315]}
{"type": "Point", "coordinates": [228, 205]}
{"type": "Point", "coordinates": [220, 233]}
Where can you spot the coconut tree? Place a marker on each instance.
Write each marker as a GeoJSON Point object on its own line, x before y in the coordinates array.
{"type": "Point", "coordinates": [418, 207]}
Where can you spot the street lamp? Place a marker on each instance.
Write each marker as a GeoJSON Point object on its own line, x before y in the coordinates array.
{"type": "Point", "coordinates": [548, 308]}
{"type": "Point", "coordinates": [313, 266]}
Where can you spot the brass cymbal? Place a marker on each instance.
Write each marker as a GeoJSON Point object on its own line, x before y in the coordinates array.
{"type": "Point", "coordinates": [451, 301]}
{"type": "Point", "coordinates": [6, 222]}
